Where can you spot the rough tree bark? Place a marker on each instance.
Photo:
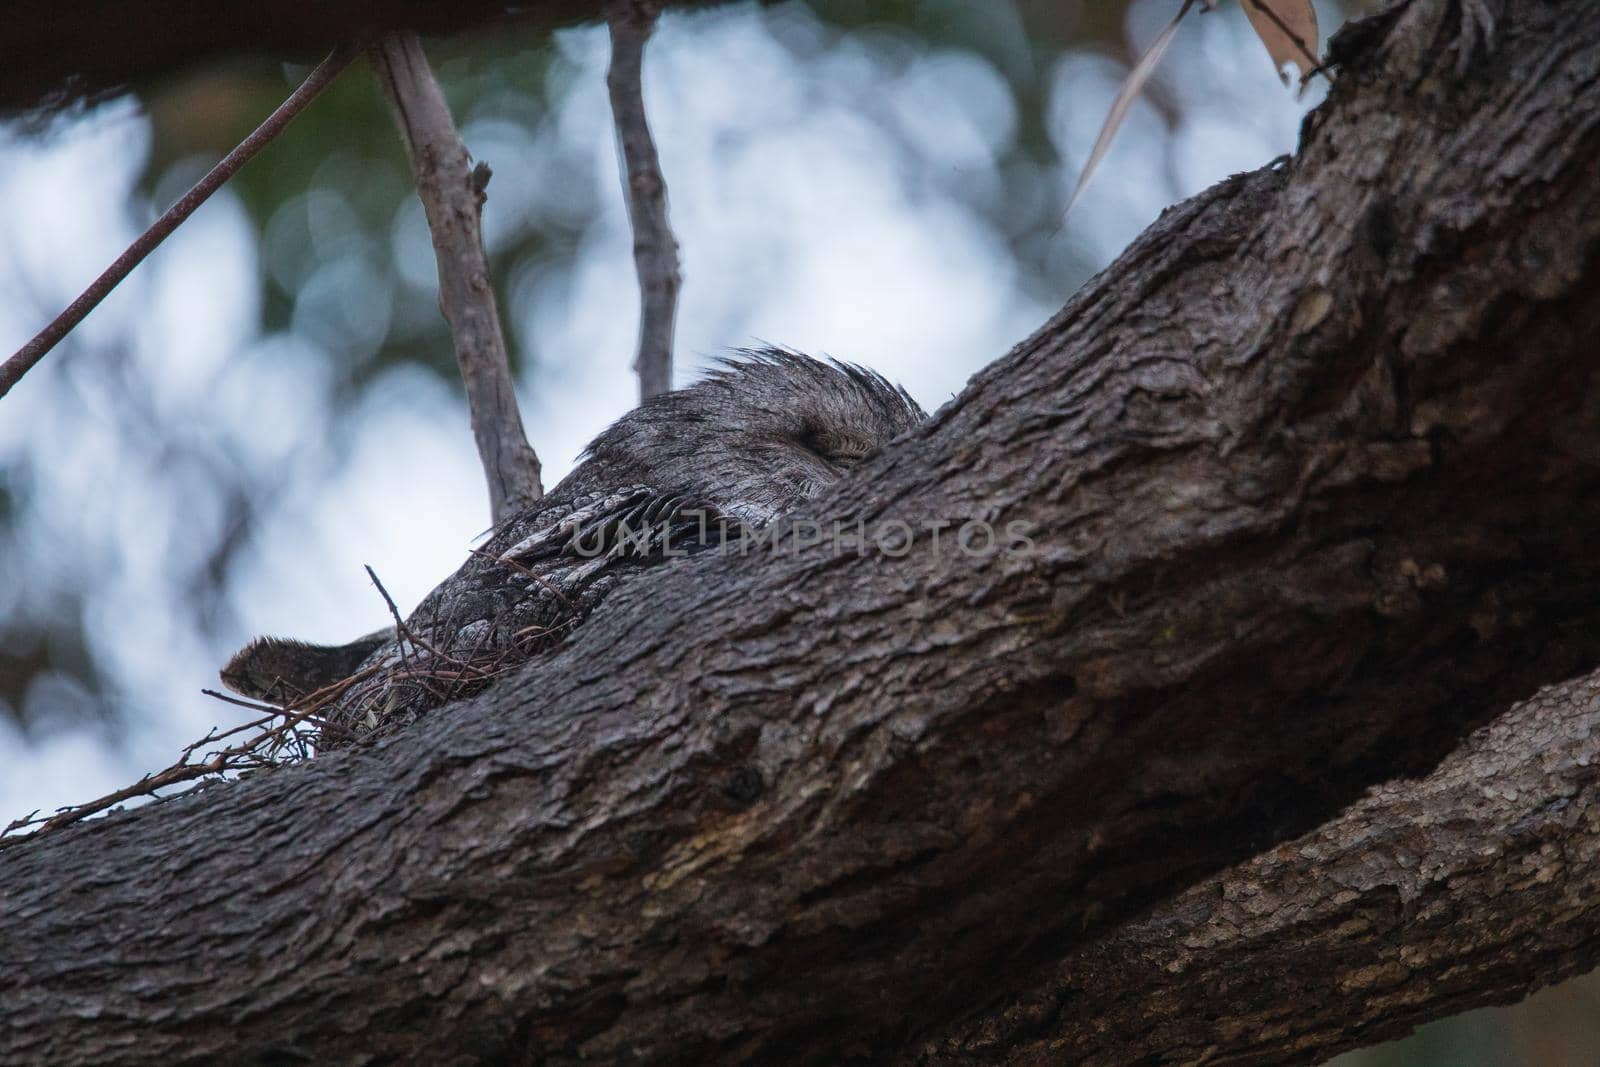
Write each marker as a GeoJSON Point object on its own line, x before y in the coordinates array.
{"type": "Point", "coordinates": [1309, 480]}
{"type": "Point", "coordinates": [1473, 886]}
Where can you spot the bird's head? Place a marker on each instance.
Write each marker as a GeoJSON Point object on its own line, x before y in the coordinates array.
{"type": "Point", "coordinates": [762, 432]}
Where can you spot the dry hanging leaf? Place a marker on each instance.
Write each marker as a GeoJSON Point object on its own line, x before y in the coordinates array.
{"type": "Point", "coordinates": [1130, 92]}
{"type": "Point", "coordinates": [1289, 30]}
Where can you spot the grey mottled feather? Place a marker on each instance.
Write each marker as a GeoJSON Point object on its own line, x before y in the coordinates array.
{"type": "Point", "coordinates": [686, 470]}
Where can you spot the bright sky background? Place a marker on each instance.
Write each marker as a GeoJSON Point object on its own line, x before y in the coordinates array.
{"type": "Point", "coordinates": [810, 196]}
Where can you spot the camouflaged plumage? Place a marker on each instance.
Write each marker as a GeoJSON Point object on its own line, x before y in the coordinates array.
{"type": "Point", "coordinates": [684, 471]}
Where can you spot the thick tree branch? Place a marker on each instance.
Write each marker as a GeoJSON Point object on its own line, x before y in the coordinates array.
{"type": "Point", "coordinates": [655, 250]}
{"type": "Point", "coordinates": [1309, 486]}
{"type": "Point", "coordinates": [452, 193]}
{"type": "Point", "coordinates": [1473, 886]}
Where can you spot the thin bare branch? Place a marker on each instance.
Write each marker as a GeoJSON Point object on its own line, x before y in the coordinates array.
{"type": "Point", "coordinates": [452, 194]}
{"type": "Point", "coordinates": [265, 740]}
{"type": "Point", "coordinates": [31, 353]}
{"type": "Point", "coordinates": [655, 249]}
{"type": "Point", "coordinates": [404, 634]}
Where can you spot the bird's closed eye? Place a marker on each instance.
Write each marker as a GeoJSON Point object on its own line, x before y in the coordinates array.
{"type": "Point", "coordinates": [841, 450]}
{"type": "Point", "coordinates": [810, 439]}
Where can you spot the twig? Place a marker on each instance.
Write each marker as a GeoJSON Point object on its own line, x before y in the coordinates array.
{"type": "Point", "coordinates": [402, 631]}
{"type": "Point", "coordinates": [267, 737]}
{"type": "Point", "coordinates": [655, 250]}
{"type": "Point", "coordinates": [31, 353]}
{"type": "Point", "coordinates": [271, 711]}
{"type": "Point", "coordinates": [452, 194]}
{"type": "Point", "coordinates": [394, 612]}
{"type": "Point", "coordinates": [259, 750]}
{"type": "Point", "coordinates": [237, 702]}
{"type": "Point", "coordinates": [17, 824]}
{"type": "Point", "coordinates": [146, 786]}
{"type": "Point", "coordinates": [405, 633]}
